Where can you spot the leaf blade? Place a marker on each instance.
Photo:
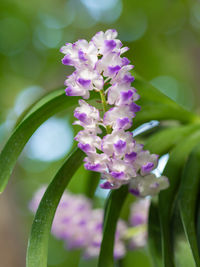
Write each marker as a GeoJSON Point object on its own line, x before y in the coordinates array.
{"type": "Point", "coordinates": [38, 242]}
{"type": "Point", "coordinates": [168, 197]}
{"type": "Point", "coordinates": [188, 197]}
{"type": "Point", "coordinates": [112, 211]}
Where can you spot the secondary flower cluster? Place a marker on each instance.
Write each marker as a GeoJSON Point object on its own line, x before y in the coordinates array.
{"type": "Point", "coordinates": [80, 226]}
{"type": "Point", "coordinates": [100, 66]}
{"type": "Point", "coordinates": [138, 220]}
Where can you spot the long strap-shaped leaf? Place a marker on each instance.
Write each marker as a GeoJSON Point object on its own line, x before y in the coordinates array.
{"type": "Point", "coordinates": [167, 197]}
{"type": "Point", "coordinates": [166, 139]}
{"type": "Point", "coordinates": [157, 105]}
{"type": "Point", "coordinates": [169, 137]}
{"type": "Point", "coordinates": [154, 236]}
{"type": "Point", "coordinates": [112, 211]}
{"type": "Point", "coordinates": [56, 101]}
{"type": "Point", "coordinates": [188, 197]}
{"type": "Point", "coordinates": [38, 242]}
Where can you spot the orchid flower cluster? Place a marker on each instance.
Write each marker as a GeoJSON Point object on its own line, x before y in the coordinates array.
{"type": "Point", "coordinates": [80, 226]}
{"type": "Point", "coordinates": [101, 67]}
{"type": "Point", "coordinates": [138, 220]}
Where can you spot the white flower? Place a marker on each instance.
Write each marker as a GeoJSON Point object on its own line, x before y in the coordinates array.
{"type": "Point", "coordinates": [148, 185]}
{"type": "Point", "coordinates": [121, 94]}
{"type": "Point", "coordinates": [106, 42]}
{"type": "Point", "coordinates": [80, 53]}
{"type": "Point", "coordinates": [88, 142]}
{"type": "Point", "coordinates": [118, 143]}
{"type": "Point", "coordinates": [119, 117]}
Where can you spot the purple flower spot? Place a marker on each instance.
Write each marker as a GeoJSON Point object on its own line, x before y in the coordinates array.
{"type": "Point", "coordinates": [123, 123]}
{"type": "Point", "coordinates": [131, 157]}
{"type": "Point", "coordinates": [98, 226]}
{"type": "Point", "coordinates": [82, 222]}
{"type": "Point", "coordinates": [84, 83]}
{"type": "Point", "coordinates": [80, 116]}
{"type": "Point", "coordinates": [69, 91]}
{"type": "Point", "coordinates": [114, 70]}
{"type": "Point", "coordinates": [137, 219]}
{"type": "Point", "coordinates": [128, 78]}
{"type": "Point", "coordinates": [85, 147]}
{"type": "Point", "coordinates": [117, 175]}
{"type": "Point", "coordinates": [120, 145]}
{"type": "Point", "coordinates": [134, 107]}
{"type": "Point", "coordinates": [106, 185]}
{"type": "Point", "coordinates": [81, 55]}
{"type": "Point", "coordinates": [134, 192]}
{"type": "Point", "coordinates": [67, 60]}
{"type": "Point", "coordinates": [66, 220]}
{"type": "Point", "coordinates": [126, 95]}
{"type": "Point", "coordinates": [110, 44]}
{"type": "Point", "coordinates": [125, 61]}
{"type": "Point", "coordinates": [93, 167]}
{"type": "Point", "coordinates": [147, 167]}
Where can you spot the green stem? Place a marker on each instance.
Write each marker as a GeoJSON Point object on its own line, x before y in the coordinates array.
{"type": "Point", "coordinates": [105, 108]}
{"type": "Point", "coordinates": [103, 100]}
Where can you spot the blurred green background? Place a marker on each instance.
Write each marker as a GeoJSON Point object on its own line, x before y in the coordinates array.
{"type": "Point", "coordinates": [164, 41]}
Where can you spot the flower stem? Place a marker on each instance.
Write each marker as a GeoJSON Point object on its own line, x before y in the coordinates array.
{"type": "Point", "coordinates": [103, 100]}
{"type": "Point", "coordinates": [105, 108]}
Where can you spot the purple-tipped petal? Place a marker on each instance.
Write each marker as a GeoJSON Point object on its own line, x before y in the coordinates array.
{"type": "Point", "coordinates": [128, 78]}
{"type": "Point", "coordinates": [93, 167]}
{"type": "Point", "coordinates": [110, 44]}
{"type": "Point", "coordinates": [80, 116]}
{"type": "Point", "coordinates": [131, 157]}
{"type": "Point", "coordinates": [134, 107]}
{"type": "Point", "coordinates": [125, 61]}
{"type": "Point", "coordinates": [106, 185]}
{"type": "Point", "coordinates": [113, 70]}
{"type": "Point", "coordinates": [126, 95]}
{"type": "Point", "coordinates": [120, 146]}
{"type": "Point", "coordinates": [147, 167]}
{"type": "Point", "coordinates": [124, 123]}
{"type": "Point", "coordinates": [81, 55]}
{"type": "Point", "coordinates": [67, 60]}
{"type": "Point", "coordinates": [84, 83]}
{"type": "Point", "coordinates": [85, 147]}
{"type": "Point", "coordinates": [134, 192]}
{"type": "Point", "coordinates": [117, 175]}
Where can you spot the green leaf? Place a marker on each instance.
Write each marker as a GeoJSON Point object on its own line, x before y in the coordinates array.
{"type": "Point", "coordinates": [113, 207]}
{"type": "Point", "coordinates": [154, 236]}
{"type": "Point", "coordinates": [188, 197]}
{"type": "Point", "coordinates": [157, 106]}
{"type": "Point", "coordinates": [198, 224]}
{"type": "Point", "coordinates": [167, 198]}
{"type": "Point", "coordinates": [38, 242]}
{"type": "Point", "coordinates": [52, 104]}
{"type": "Point", "coordinates": [92, 182]}
{"type": "Point", "coordinates": [169, 138]}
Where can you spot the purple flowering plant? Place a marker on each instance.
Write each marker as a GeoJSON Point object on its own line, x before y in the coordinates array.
{"type": "Point", "coordinates": [120, 151]}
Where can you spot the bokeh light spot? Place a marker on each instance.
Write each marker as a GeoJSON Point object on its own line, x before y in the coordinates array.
{"type": "Point", "coordinates": [134, 27]}
{"type": "Point", "coordinates": [51, 141]}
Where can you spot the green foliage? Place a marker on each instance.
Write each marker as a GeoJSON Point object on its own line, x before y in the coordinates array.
{"type": "Point", "coordinates": [38, 241]}
{"type": "Point", "coordinates": [167, 198]}
{"type": "Point", "coordinates": [113, 207]}
{"type": "Point", "coordinates": [189, 191]}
